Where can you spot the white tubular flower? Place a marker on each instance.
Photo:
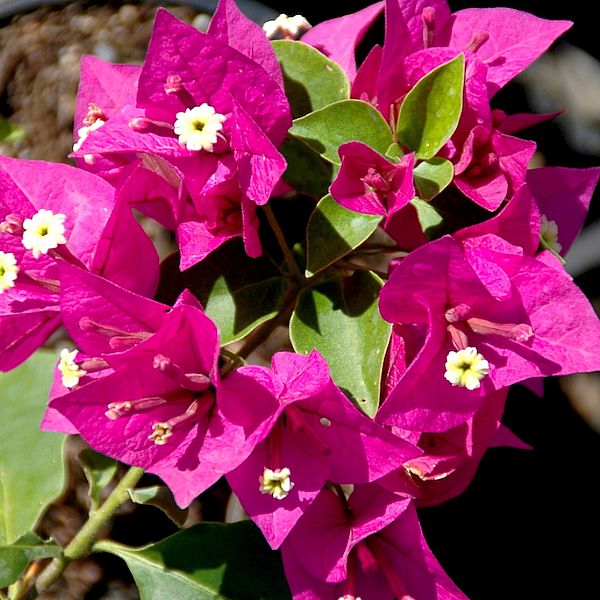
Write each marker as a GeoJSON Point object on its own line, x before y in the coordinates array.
{"type": "Point", "coordinates": [198, 127]}
{"type": "Point", "coordinates": [276, 482]}
{"type": "Point", "coordinates": [71, 373]}
{"type": "Point", "coordinates": [8, 271]}
{"type": "Point", "coordinates": [466, 368]}
{"type": "Point", "coordinates": [287, 28]}
{"type": "Point", "coordinates": [43, 231]}
{"type": "Point", "coordinates": [549, 234]}
{"type": "Point", "coordinates": [85, 131]}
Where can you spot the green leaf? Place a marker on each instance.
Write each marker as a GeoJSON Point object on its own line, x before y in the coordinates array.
{"type": "Point", "coordinates": [340, 318]}
{"type": "Point", "coordinates": [433, 176]}
{"type": "Point", "coordinates": [31, 461]}
{"type": "Point", "coordinates": [311, 80]}
{"type": "Point", "coordinates": [9, 132]}
{"type": "Point", "coordinates": [333, 231]}
{"type": "Point", "coordinates": [160, 497]}
{"type": "Point", "coordinates": [348, 120]}
{"type": "Point", "coordinates": [15, 557]}
{"type": "Point", "coordinates": [306, 171]}
{"type": "Point", "coordinates": [430, 112]}
{"type": "Point", "coordinates": [429, 217]}
{"type": "Point", "coordinates": [206, 562]}
{"type": "Point", "coordinates": [99, 470]}
{"type": "Point", "coordinates": [238, 293]}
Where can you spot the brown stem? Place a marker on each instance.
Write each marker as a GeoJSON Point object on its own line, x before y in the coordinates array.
{"type": "Point", "coordinates": [287, 253]}
{"type": "Point", "coordinates": [350, 265]}
{"type": "Point", "coordinates": [262, 332]}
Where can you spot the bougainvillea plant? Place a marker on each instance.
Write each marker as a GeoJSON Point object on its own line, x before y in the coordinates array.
{"type": "Point", "coordinates": [380, 218]}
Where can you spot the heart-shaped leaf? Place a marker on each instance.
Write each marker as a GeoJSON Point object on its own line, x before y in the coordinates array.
{"type": "Point", "coordinates": [325, 130]}
{"type": "Point", "coordinates": [333, 231]}
{"type": "Point", "coordinates": [340, 318]}
{"type": "Point", "coordinates": [31, 461]}
{"type": "Point", "coordinates": [430, 112]}
{"type": "Point", "coordinates": [311, 80]}
{"type": "Point", "coordinates": [209, 561]}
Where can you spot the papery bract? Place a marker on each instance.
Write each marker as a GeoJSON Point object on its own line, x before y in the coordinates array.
{"type": "Point", "coordinates": [369, 546]}
{"type": "Point", "coordinates": [153, 401]}
{"type": "Point", "coordinates": [312, 430]}
{"type": "Point", "coordinates": [527, 331]}
{"type": "Point", "coordinates": [100, 234]}
{"type": "Point", "coordinates": [371, 184]}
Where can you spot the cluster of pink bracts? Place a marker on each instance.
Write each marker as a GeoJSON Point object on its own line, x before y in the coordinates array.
{"type": "Point", "coordinates": [191, 140]}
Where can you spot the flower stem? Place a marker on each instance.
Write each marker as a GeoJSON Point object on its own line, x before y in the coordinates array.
{"type": "Point", "coordinates": [81, 544]}
{"type": "Point", "coordinates": [287, 253]}
{"type": "Point", "coordinates": [356, 267]}
{"type": "Point", "coordinates": [262, 332]}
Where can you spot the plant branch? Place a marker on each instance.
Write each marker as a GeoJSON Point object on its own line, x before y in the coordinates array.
{"type": "Point", "coordinates": [287, 253]}
{"type": "Point", "coordinates": [350, 265]}
{"type": "Point", "coordinates": [262, 332]}
{"type": "Point", "coordinates": [81, 544]}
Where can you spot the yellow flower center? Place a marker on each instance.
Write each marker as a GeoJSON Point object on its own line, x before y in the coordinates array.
{"type": "Point", "coordinates": [466, 368]}
{"type": "Point", "coordinates": [276, 482]}
{"type": "Point", "coordinates": [43, 232]}
{"type": "Point", "coordinates": [8, 271]}
{"type": "Point", "coordinates": [198, 127]}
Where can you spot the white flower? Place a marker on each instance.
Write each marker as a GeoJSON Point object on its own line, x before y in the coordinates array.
{"type": "Point", "coordinates": [276, 482]}
{"type": "Point", "coordinates": [85, 131]}
{"type": "Point", "coordinates": [43, 231]}
{"type": "Point", "coordinates": [8, 270]}
{"type": "Point", "coordinates": [198, 127]}
{"type": "Point", "coordinates": [285, 27]}
{"type": "Point", "coordinates": [549, 235]}
{"type": "Point", "coordinates": [466, 368]}
{"type": "Point", "coordinates": [70, 371]}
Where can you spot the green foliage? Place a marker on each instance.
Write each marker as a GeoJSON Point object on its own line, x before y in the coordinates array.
{"type": "Point", "coordinates": [99, 470]}
{"type": "Point", "coordinates": [433, 176]}
{"type": "Point", "coordinates": [206, 562]}
{"type": "Point", "coordinates": [430, 112]}
{"type": "Point", "coordinates": [237, 292]}
{"type": "Point", "coordinates": [340, 318]}
{"type": "Point", "coordinates": [15, 557]}
{"type": "Point", "coordinates": [429, 217]}
{"type": "Point", "coordinates": [348, 120]}
{"type": "Point", "coordinates": [311, 80]}
{"type": "Point", "coordinates": [333, 231]}
{"type": "Point", "coordinates": [9, 132]}
{"type": "Point", "coordinates": [306, 171]}
{"type": "Point", "coordinates": [160, 497]}
{"type": "Point", "coordinates": [31, 461]}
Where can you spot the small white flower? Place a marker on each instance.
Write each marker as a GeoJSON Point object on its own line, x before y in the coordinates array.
{"type": "Point", "coordinates": [83, 133]}
{"type": "Point", "coordinates": [8, 270]}
{"type": "Point", "coordinates": [43, 231]}
{"type": "Point", "coordinates": [549, 234]}
{"type": "Point", "coordinates": [276, 482]}
{"type": "Point", "coordinates": [198, 127]}
{"type": "Point", "coordinates": [70, 371]}
{"type": "Point", "coordinates": [466, 368]}
{"type": "Point", "coordinates": [285, 27]}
